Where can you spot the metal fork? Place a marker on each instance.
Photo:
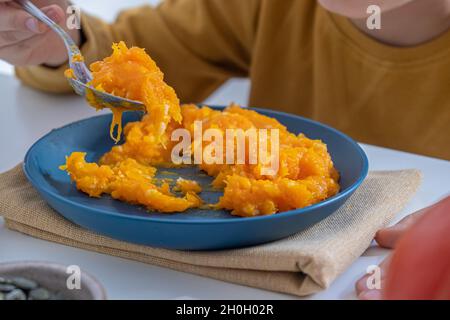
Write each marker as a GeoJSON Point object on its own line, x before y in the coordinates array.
{"type": "Point", "coordinates": [81, 72]}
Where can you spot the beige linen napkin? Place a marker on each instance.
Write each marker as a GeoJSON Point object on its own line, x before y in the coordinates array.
{"type": "Point", "coordinates": [302, 264]}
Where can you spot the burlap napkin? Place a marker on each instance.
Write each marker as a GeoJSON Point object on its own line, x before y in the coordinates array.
{"type": "Point", "coordinates": [301, 264]}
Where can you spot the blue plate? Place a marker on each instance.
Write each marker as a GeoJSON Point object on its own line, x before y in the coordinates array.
{"type": "Point", "coordinates": [194, 229]}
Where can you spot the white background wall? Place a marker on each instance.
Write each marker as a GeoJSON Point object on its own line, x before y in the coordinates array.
{"type": "Point", "coordinates": [107, 9]}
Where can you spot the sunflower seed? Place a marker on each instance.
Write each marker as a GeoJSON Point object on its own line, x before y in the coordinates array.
{"type": "Point", "coordinates": [4, 281]}
{"type": "Point", "coordinates": [24, 283]}
{"type": "Point", "coordinates": [7, 287]}
{"type": "Point", "coordinates": [39, 294]}
{"type": "Point", "coordinates": [16, 294]}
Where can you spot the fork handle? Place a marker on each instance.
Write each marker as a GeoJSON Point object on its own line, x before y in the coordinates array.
{"type": "Point", "coordinates": [81, 71]}
{"type": "Point", "coordinates": [29, 7]}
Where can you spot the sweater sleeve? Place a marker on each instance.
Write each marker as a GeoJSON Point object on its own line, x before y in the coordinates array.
{"type": "Point", "coordinates": [198, 44]}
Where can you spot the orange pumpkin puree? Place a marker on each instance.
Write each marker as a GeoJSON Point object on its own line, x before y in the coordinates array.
{"type": "Point", "coordinates": [186, 186]}
{"type": "Point", "coordinates": [127, 181]}
{"type": "Point", "coordinates": [132, 74]}
{"type": "Point", "coordinates": [78, 58]}
{"type": "Point", "coordinates": [306, 172]}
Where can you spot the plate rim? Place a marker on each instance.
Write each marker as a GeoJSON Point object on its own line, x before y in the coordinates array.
{"type": "Point", "coordinates": [280, 215]}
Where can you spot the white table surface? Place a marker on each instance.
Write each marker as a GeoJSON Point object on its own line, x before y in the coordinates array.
{"type": "Point", "coordinates": [26, 115]}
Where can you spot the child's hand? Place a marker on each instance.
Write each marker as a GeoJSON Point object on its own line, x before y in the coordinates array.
{"type": "Point", "coordinates": [26, 41]}
{"type": "Point", "coordinates": [425, 246]}
{"type": "Point", "coordinates": [386, 238]}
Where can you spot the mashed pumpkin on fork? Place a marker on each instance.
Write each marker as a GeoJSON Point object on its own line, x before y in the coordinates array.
{"type": "Point", "coordinates": [132, 74]}
{"type": "Point", "coordinates": [306, 174]}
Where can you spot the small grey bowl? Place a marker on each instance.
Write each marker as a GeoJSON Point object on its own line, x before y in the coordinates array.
{"type": "Point", "coordinates": [53, 277]}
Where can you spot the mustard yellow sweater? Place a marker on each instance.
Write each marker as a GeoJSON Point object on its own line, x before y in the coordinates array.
{"type": "Point", "coordinates": [300, 58]}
